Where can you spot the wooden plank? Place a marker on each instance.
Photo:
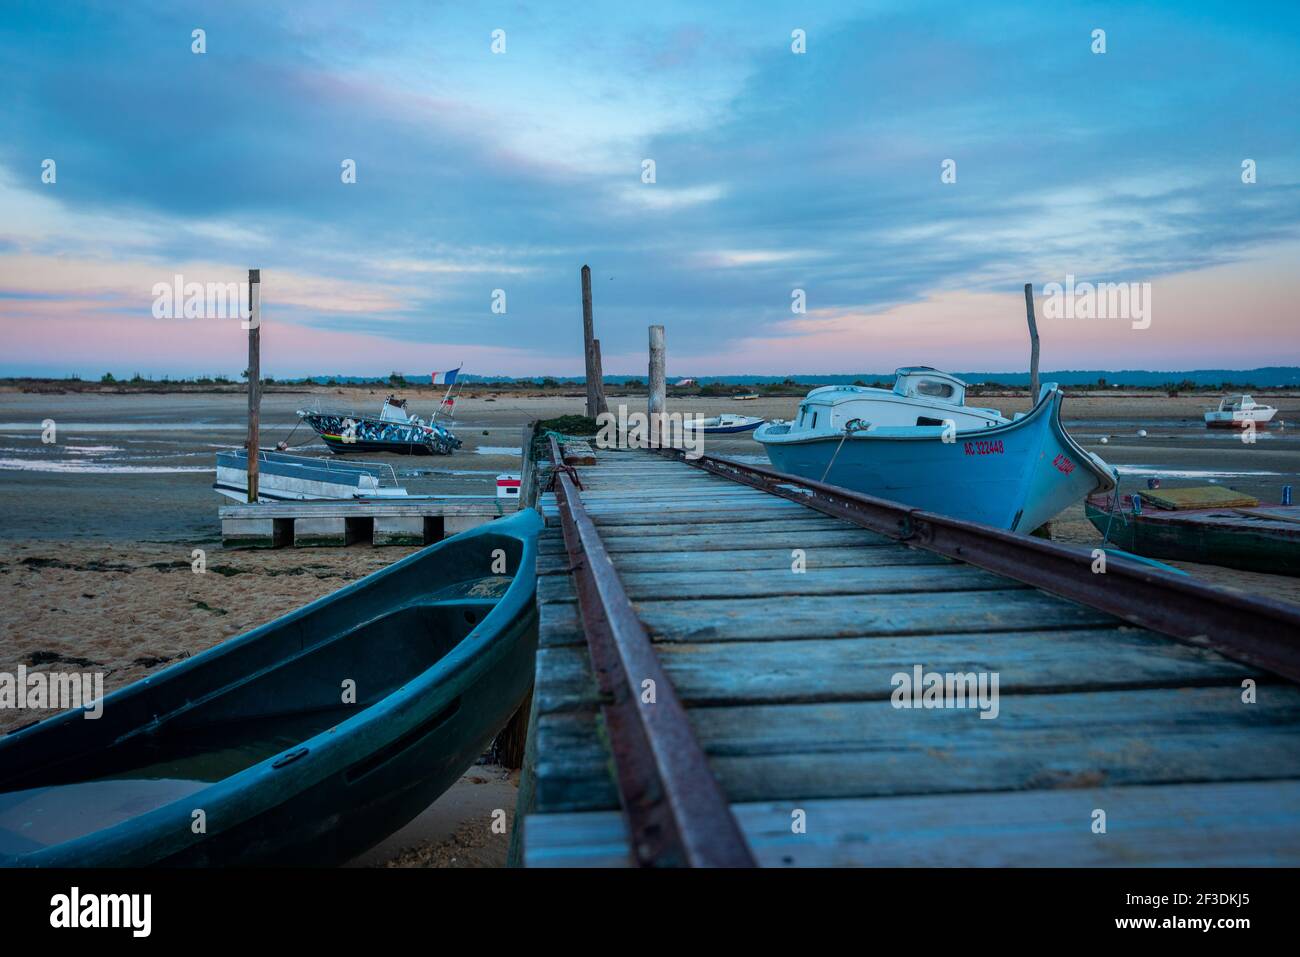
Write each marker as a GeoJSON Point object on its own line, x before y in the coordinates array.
{"type": "Point", "coordinates": [654, 513]}
{"type": "Point", "coordinates": [835, 616]}
{"type": "Point", "coordinates": [866, 749]}
{"type": "Point", "coordinates": [689, 545]}
{"type": "Point", "coordinates": [577, 452]}
{"type": "Point", "coordinates": [763, 583]}
{"type": "Point", "coordinates": [804, 523]}
{"type": "Point", "coordinates": [862, 669]}
{"type": "Point", "coordinates": [705, 562]}
{"type": "Point", "coordinates": [481, 505]}
{"type": "Point", "coordinates": [1236, 824]}
{"type": "Point", "coordinates": [850, 616]}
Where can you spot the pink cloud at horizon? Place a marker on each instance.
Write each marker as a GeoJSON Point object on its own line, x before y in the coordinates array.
{"type": "Point", "coordinates": [1242, 315]}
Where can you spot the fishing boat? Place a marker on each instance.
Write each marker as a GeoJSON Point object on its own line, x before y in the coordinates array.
{"type": "Point", "coordinates": [296, 478]}
{"type": "Point", "coordinates": [1014, 474]}
{"type": "Point", "coordinates": [392, 430]}
{"type": "Point", "coordinates": [304, 741]}
{"type": "Point", "coordinates": [746, 397]}
{"type": "Point", "coordinates": [1187, 525]}
{"type": "Point", "coordinates": [1238, 412]}
{"type": "Point", "coordinates": [725, 424]}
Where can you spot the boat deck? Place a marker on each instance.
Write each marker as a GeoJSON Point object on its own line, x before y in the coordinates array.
{"type": "Point", "coordinates": [1112, 744]}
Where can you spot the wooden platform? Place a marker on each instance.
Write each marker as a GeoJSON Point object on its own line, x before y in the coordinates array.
{"type": "Point", "coordinates": [378, 521]}
{"type": "Point", "coordinates": [788, 678]}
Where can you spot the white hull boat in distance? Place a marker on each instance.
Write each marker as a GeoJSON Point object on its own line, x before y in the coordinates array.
{"type": "Point", "coordinates": [300, 478]}
{"type": "Point", "coordinates": [1238, 412]}
{"type": "Point", "coordinates": [724, 424]}
{"type": "Point", "coordinates": [1011, 474]}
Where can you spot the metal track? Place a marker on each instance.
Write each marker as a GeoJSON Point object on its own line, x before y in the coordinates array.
{"type": "Point", "coordinates": [675, 809]}
{"type": "Point", "coordinates": [1256, 631]}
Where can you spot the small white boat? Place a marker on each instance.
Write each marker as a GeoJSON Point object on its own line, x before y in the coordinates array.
{"type": "Point", "coordinates": [921, 396]}
{"type": "Point", "coordinates": [1238, 412]}
{"type": "Point", "coordinates": [298, 478]}
{"type": "Point", "coordinates": [747, 397]}
{"type": "Point", "coordinates": [724, 424]}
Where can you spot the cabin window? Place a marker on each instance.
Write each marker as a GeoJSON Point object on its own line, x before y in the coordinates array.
{"type": "Point", "coordinates": [814, 421]}
{"type": "Point", "coordinates": [936, 390]}
{"type": "Point", "coordinates": [926, 420]}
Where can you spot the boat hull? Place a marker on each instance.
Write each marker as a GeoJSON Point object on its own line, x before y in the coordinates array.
{"type": "Point", "coordinates": [346, 434]}
{"type": "Point", "coordinates": [1239, 423]}
{"type": "Point", "coordinates": [1213, 536]}
{"type": "Point", "coordinates": [438, 670]}
{"type": "Point", "coordinates": [1015, 476]}
{"type": "Point", "coordinates": [339, 446]}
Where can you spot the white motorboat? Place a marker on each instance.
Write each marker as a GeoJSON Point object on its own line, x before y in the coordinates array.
{"type": "Point", "coordinates": [1238, 412]}
{"type": "Point", "coordinates": [297, 478]}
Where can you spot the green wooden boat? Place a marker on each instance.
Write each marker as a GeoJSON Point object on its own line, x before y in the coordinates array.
{"type": "Point", "coordinates": [304, 741]}
{"type": "Point", "coordinates": [1259, 538]}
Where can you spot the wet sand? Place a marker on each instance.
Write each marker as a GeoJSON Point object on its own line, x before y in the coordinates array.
{"type": "Point", "coordinates": [97, 544]}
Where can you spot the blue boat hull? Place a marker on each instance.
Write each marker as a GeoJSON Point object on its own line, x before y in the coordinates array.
{"type": "Point", "coordinates": [1015, 476]}
{"type": "Point", "coordinates": [256, 735]}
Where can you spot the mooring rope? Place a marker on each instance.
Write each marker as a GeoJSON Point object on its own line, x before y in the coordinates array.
{"type": "Point", "coordinates": [851, 426]}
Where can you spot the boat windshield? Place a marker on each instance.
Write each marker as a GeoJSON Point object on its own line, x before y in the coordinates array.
{"type": "Point", "coordinates": [937, 390]}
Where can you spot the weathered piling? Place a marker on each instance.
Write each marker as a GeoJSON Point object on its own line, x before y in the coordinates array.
{"type": "Point", "coordinates": [1033, 343]}
{"type": "Point", "coordinates": [254, 376]}
{"type": "Point", "coordinates": [658, 388]}
{"type": "Point", "coordinates": [591, 350]}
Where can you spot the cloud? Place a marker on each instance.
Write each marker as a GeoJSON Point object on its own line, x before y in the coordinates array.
{"type": "Point", "coordinates": [476, 172]}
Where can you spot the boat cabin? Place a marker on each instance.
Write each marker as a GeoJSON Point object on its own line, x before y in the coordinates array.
{"type": "Point", "coordinates": [921, 396]}
{"type": "Point", "coordinates": [1236, 403]}
{"type": "Point", "coordinates": [922, 382]}
{"type": "Point", "coordinates": [394, 410]}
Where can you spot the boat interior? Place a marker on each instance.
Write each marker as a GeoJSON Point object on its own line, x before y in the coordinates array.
{"type": "Point", "coordinates": [244, 701]}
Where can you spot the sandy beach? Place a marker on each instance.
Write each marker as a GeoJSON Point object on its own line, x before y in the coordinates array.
{"type": "Point", "coordinates": [103, 528]}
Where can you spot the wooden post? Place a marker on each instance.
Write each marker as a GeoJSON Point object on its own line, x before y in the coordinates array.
{"type": "Point", "coordinates": [588, 337]}
{"type": "Point", "coordinates": [599, 375]}
{"type": "Point", "coordinates": [1033, 344]}
{"type": "Point", "coordinates": [254, 376]}
{"type": "Point", "coordinates": [657, 387]}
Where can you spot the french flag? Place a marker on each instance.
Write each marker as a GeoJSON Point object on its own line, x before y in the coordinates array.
{"type": "Point", "coordinates": [445, 378]}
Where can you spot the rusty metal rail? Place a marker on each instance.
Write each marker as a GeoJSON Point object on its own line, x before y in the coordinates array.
{"type": "Point", "coordinates": [676, 811]}
{"type": "Point", "coordinates": [1256, 631]}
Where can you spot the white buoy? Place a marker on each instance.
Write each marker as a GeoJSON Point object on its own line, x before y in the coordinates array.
{"type": "Point", "coordinates": [1142, 433]}
{"type": "Point", "coordinates": [1104, 439]}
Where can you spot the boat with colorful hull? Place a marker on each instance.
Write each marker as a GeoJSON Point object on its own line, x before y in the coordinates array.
{"type": "Point", "coordinates": [1259, 538]}
{"type": "Point", "coordinates": [1016, 475]}
{"type": "Point", "coordinates": [393, 430]}
{"type": "Point", "coordinates": [304, 741]}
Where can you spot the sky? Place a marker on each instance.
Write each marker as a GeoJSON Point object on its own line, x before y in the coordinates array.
{"type": "Point", "coordinates": [902, 177]}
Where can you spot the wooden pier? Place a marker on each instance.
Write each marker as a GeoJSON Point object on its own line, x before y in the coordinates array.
{"type": "Point", "coordinates": [378, 521]}
{"type": "Point", "coordinates": [748, 639]}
